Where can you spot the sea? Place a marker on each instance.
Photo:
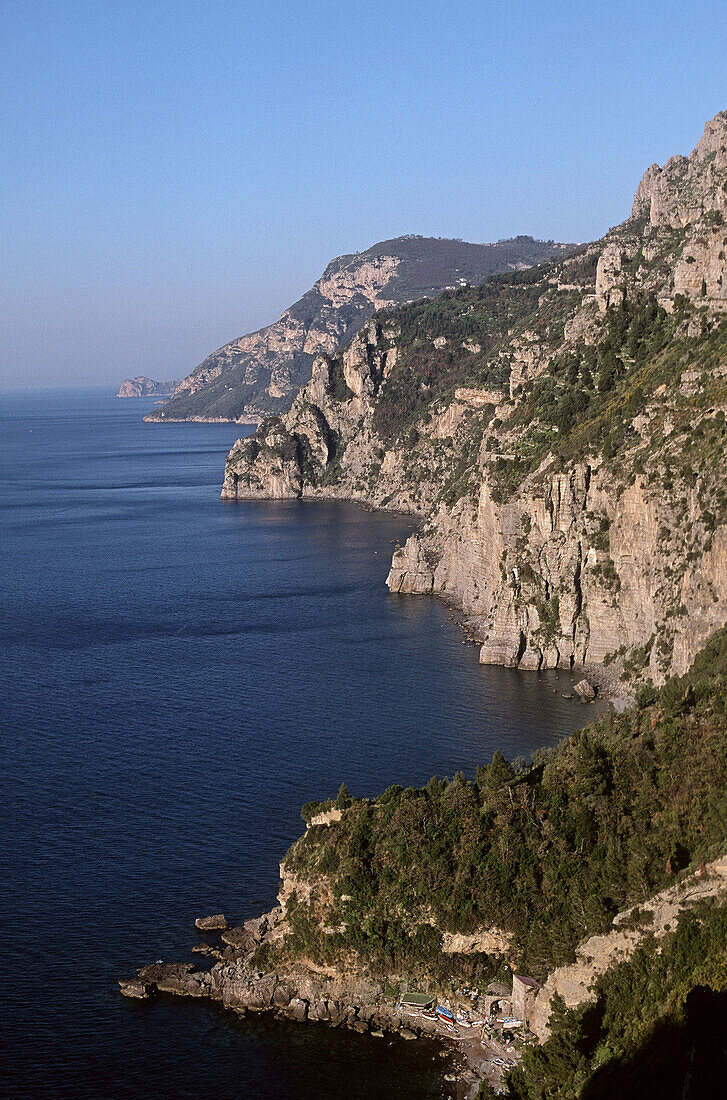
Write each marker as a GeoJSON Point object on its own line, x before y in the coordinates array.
{"type": "Point", "coordinates": [178, 675]}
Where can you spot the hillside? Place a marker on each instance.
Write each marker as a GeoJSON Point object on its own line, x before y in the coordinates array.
{"type": "Point", "coordinates": [261, 372]}
{"type": "Point", "coordinates": [559, 430]}
{"type": "Point", "coordinates": [527, 860]}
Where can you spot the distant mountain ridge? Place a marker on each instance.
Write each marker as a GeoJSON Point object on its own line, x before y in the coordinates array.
{"type": "Point", "coordinates": [146, 387]}
{"type": "Point", "coordinates": [261, 372]}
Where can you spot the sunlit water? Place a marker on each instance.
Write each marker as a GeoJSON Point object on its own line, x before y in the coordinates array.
{"type": "Point", "coordinates": [178, 676]}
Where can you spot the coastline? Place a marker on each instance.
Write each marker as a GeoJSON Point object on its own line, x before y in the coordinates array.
{"type": "Point", "coordinates": [159, 419]}
{"type": "Point", "coordinates": [306, 993]}
{"type": "Point", "coordinates": [609, 687]}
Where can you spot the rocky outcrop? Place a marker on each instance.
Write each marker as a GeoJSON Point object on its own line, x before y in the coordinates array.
{"type": "Point", "coordinates": [604, 561]}
{"type": "Point", "coordinates": [304, 992]}
{"type": "Point", "coordinates": [260, 373]}
{"type": "Point", "coordinates": [491, 941]}
{"type": "Point", "coordinates": [146, 387]}
{"type": "Point", "coordinates": [215, 923]}
{"type": "Point", "coordinates": [679, 214]}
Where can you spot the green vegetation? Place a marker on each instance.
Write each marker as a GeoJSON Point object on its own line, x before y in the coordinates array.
{"type": "Point", "coordinates": [656, 1028]}
{"type": "Point", "coordinates": [547, 852]}
{"type": "Point", "coordinates": [486, 315]}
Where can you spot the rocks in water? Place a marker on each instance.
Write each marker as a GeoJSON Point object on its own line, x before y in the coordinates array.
{"type": "Point", "coordinates": [159, 971]}
{"type": "Point", "coordinates": [216, 923]}
{"type": "Point", "coordinates": [134, 988]}
{"type": "Point", "coordinates": [407, 1033]}
{"type": "Point", "coordinates": [181, 979]}
{"type": "Point", "coordinates": [585, 691]}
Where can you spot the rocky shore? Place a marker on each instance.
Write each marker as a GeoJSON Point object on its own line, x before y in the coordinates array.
{"type": "Point", "coordinates": [306, 993]}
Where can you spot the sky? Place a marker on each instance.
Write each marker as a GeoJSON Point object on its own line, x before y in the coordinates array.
{"type": "Point", "coordinates": [176, 174]}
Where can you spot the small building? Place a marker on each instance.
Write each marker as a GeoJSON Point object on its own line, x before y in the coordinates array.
{"type": "Point", "coordinates": [416, 1000]}
{"type": "Point", "coordinates": [524, 991]}
{"type": "Point", "coordinates": [497, 1000]}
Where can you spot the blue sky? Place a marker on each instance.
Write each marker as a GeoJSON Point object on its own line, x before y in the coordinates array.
{"type": "Point", "coordinates": [175, 174]}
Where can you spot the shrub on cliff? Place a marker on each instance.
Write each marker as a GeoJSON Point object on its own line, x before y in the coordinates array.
{"type": "Point", "coordinates": [656, 1028]}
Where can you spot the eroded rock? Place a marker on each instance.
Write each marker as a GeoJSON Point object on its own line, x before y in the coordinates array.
{"type": "Point", "coordinates": [216, 923]}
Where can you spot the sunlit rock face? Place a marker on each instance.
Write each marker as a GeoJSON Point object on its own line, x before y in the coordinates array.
{"type": "Point", "coordinates": [615, 560]}
{"type": "Point", "coordinates": [260, 373]}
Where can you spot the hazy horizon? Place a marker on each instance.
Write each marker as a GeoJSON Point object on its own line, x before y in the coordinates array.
{"type": "Point", "coordinates": [181, 173]}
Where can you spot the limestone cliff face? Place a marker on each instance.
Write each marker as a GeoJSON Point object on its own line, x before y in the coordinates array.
{"type": "Point", "coordinates": [279, 353]}
{"type": "Point", "coordinates": [261, 372]}
{"type": "Point", "coordinates": [560, 434]}
{"type": "Point", "coordinates": [543, 589]}
{"type": "Point", "coordinates": [676, 239]}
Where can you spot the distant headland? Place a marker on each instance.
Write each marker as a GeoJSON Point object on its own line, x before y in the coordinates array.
{"type": "Point", "coordinates": [146, 387]}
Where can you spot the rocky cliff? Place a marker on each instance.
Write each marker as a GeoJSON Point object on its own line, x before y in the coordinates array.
{"type": "Point", "coordinates": [146, 387]}
{"type": "Point", "coordinates": [260, 373]}
{"type": "Point", "coordinates": [560, 431]}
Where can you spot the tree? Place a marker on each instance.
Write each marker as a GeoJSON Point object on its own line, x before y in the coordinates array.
{"type": "Point", "coordinates": [499, 771]}
{"type": "Point", "coordinates": [343, 798]}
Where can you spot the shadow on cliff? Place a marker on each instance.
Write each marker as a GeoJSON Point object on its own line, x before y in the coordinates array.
{"type": "Point", "coordinates": [684, 1060]}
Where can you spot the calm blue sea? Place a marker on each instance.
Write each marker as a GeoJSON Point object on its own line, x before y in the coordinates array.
{"type": "Point", "coordinates": [177, 677]}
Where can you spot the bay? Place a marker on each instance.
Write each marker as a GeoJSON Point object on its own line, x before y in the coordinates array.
{"type": "Point", "coordinates": [178, 677]}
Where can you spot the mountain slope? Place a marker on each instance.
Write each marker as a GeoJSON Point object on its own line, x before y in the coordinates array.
{"type": "Point", "coordinates": [561, 432]}
{"type": "Point", "coordinates": [261, 372]}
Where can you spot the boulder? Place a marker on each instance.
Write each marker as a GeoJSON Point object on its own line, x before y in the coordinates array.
{"type": "Point", "coordinates": [585, 691]}
{"type": "Point", "coordinates": [282, 996]}
{"type": "Point", "coordinates": [216, 923]}
{"type": "Point", "coordinates": [240, 938]}
{"type": "Point", "coordinates": [135, 988]}
{"type": "Point", "coordinates": [298, 1009]}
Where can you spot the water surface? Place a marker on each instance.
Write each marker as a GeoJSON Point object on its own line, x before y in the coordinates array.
{"type": "Point", "coordinates": [178, 676]}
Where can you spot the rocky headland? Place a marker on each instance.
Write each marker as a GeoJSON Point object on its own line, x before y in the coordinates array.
{"type": "Point", "coordinates": [325, 956]}
{"type": "Point", "coordinates": [146, 387]}
{"type": "Point", "coordinates": [338, 997]}
{"type": "Point", "coordinates": [260, 373]}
